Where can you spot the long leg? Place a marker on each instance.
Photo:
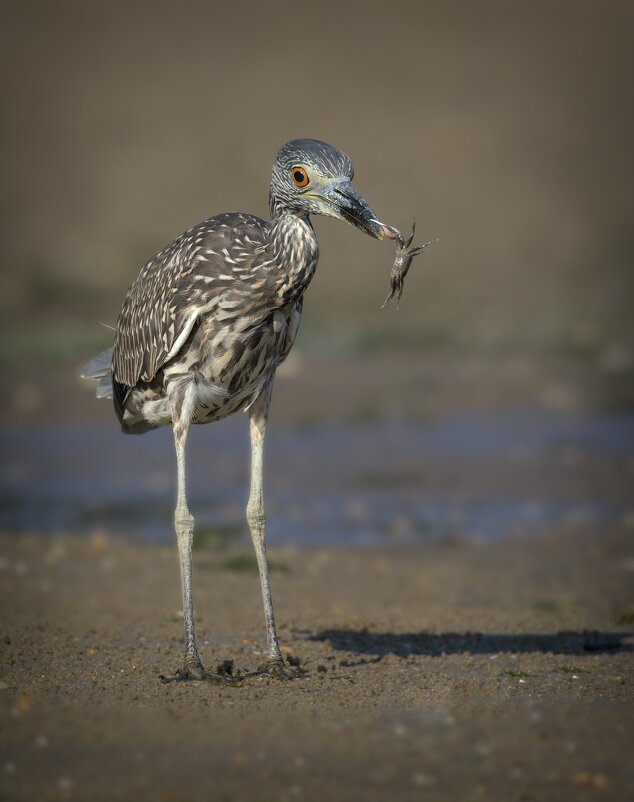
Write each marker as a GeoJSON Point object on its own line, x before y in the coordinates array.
{"type": "Point", "coordinates": [274, 663]}
{"type": "Point", "coordinates": [184, 526]}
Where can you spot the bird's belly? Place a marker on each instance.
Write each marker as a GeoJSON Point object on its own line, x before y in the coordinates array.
{"type": "Point", "coordinates": [236, 369]}
{"type": "Point", "coordinates": [226, 370]}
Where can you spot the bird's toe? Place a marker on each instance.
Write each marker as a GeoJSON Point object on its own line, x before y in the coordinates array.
{"type": "Point", "coordinates": [277, 668]}
{"type": "Point", "coordinates": [197, 672]}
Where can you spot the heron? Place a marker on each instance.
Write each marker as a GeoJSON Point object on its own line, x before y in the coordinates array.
{"type": "Point", "coordinates": [203, 329]}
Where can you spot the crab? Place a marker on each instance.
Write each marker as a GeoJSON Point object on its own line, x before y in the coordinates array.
{"type": "Point", "coordinates": [405, 253]}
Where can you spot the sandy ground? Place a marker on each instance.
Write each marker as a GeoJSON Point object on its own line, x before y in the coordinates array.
{"type": "Point", "coordinates": [452, 671]}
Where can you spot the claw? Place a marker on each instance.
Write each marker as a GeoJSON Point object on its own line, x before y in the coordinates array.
{"type": "Point", "coordinates": [411, 236]}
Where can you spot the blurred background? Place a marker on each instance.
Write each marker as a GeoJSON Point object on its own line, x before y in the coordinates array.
{"type": "Point", "coordinates": [480, 439]}
{"type": "Point", "coordinates": [504, 129]}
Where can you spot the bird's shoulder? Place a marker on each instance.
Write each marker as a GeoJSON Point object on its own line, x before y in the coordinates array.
{"type": "Point", "coordinates": [223, 241]}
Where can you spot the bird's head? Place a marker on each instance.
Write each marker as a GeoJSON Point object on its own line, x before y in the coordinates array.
{"type": "Point", "coordinates": [311, 177]}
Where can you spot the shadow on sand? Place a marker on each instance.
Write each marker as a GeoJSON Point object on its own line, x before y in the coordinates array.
{"type": "Point", "coordinates": [434, 645]}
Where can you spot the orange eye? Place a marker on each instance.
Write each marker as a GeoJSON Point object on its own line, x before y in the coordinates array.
{"type": "Point", "coordinates": [300, 176]}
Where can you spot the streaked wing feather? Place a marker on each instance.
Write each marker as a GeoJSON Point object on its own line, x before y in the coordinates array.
{"type": "Point", "coordinates": [176, 287]}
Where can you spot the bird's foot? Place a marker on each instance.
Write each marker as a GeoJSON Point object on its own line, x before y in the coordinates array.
{"type": "Point", "coordinates": [276, 668]}
{"type": "Point", "coordinates": [194, 670]}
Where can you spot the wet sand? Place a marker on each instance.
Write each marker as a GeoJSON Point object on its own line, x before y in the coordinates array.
{"type": "Point", "coordinates": [451, 671]}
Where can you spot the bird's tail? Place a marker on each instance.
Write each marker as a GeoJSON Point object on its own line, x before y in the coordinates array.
{"type": "Point", "coordinates": [99, 369]}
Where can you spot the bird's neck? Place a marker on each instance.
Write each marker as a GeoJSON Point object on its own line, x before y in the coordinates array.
{"type": "Point", "coordinates": [295, 252]}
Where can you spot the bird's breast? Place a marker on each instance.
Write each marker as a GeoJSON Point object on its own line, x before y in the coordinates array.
{"type": "Point", "coordinates": [235, 363]}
